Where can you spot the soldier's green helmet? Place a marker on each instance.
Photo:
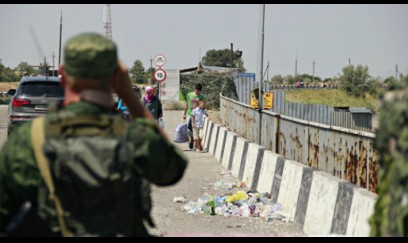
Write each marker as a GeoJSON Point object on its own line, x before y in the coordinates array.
{"type": "Point", "coordinates": [90, 55]}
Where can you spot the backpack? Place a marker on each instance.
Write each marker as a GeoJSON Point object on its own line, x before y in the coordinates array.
{"type": "Point", "coordinates": [92, 172]}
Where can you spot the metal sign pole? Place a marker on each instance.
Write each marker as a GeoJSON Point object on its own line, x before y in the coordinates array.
{"type": "Point", "coordinates": [260, 73]}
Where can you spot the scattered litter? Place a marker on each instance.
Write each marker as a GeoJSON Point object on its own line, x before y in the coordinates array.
{"type": "Point", "coordinates": [235, 202]}
{"type": "Point", "coordinates": [225, 173]}
{"type": "Point", "coordinates": [179, 200]}
{"type": "Point", "coordinates": [235, 226]}
{"type": "Point", "coordinates": [218, 185]}
{"type": "Point", "coordinates": [238, 204]}
{"type": "Point", "coordinates": [243, 183]}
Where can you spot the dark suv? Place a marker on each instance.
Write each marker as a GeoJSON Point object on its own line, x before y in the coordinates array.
{"type": "Point", "coordinates": [31, 98]}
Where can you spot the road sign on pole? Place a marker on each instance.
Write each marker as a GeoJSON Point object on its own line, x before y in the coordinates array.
{"type": "Point", "coordinates": [159, 75]}
{"type": "Point", "coordinates": [159, 60]}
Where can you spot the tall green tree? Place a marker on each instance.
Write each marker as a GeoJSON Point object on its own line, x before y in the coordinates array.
{"type": "Point", "coordinates": [355, 80]}
{"type": "Point", "coordinates": [277, 79]}
{"type": "Point", "coordinates": [150, 71]}
{"type": "Point", "coordinates": [290, 79]}
{"type": "Point", "coordinates": [399, 83]}
{"type": "Point", "coordinates": [25, 67]}
{"type": "Point", "coordinates": [223, 58]}
{"type": "Point", "coordinates": [138, 72]}
{"type": "Point", "coordinates": [307, 78]}
{"type": "Point", "coordinates": [7, 74]}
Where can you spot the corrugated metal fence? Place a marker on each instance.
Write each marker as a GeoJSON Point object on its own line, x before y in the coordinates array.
{"type": "Point", "coordinates": [352, 118]}
{"type": "Point", "coordinates": [345, 153]}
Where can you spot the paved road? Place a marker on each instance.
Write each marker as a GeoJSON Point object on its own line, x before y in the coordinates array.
{"type": "Point", "coordinates": [3, 124]}
{"type": "Point", "coordinates": [202, 172]}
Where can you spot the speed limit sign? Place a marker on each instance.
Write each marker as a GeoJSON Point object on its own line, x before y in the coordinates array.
{"type": "Point", "coordinates": [159, 75]}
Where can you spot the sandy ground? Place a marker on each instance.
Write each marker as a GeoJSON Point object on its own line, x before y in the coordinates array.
{"type": "Point", "coordinates": [202, 172]}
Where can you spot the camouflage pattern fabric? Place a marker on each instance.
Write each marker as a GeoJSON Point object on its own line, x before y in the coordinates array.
{"type": "Point", "coordinates": [90, 55]}
{"type": "Point", "coordinates": [391, 209]}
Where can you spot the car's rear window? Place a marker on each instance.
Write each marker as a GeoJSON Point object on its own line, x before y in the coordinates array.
{"type": "Point", "coordinates": [46, 89]}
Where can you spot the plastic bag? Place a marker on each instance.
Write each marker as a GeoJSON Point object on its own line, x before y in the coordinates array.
{"type": "Point", "coordinates": [181, 134]}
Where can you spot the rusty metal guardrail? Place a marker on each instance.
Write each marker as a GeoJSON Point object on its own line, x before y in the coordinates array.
{"type": "Point", "coordinates": [344, 153]}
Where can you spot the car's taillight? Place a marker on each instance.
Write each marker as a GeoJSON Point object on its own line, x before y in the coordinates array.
{"type": "Point", "coordinates": [19, 102]}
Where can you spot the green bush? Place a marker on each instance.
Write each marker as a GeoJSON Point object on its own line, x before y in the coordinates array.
{"type": "Point", "coordinates": [213, 85]}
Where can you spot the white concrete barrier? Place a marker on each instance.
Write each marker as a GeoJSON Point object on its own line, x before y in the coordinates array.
{"type": "Point", "coordinates": [238, 156]}
{"type": "Point", "coordinates": [207, 132]}
{"type": "Point", "coordinates": [318, 202]}
{"type": "Point", "coordinates": [267, 171]}
{"type": "Point", "coordinates": [229, 149]}
{"type": "Point", "coordinates": [322, 200]}
{"type": "Point", "coordinates": [220, 143]}
{"type": "Point", "coordinates": [362, 207]}
{"type": "Point", "coordinates": [290, 187]}
{"type": "Point", "coordinates": [213, 139]}
{"type": "Point", "coordinates": [252, 165]}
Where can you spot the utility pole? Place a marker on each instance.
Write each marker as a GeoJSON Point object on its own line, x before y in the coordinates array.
{"type": "Point", "coordinates": [232, 55]}
{"type": "Point", "coordinates": [267, 74]}
{"type": "Point", "coordinates": [53, 64]}
{"type": "Point", "coordinates": [313, 70]}
{"type": "Point", "coordinates": [296, 68]}
{"type": "Point", "coordinates": [260, 66]}
{"type": "Point", "coordinates": [350, 72]}
{"type": "Point", "coordinates": [151, 72]}
{"type": "Point", "coordinates": [396, 72]}
{"type": "Point", "coordinates": [59, 48]}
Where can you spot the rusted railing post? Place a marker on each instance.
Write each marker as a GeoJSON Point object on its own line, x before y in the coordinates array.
{"type": "Point", "coordinates": [276, 132]}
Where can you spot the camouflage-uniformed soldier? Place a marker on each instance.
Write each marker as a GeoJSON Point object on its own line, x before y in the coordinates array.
{"type": "Point", "coordinates": [99, 165]}
{"type": "Point", "coordinates": [391, 209]}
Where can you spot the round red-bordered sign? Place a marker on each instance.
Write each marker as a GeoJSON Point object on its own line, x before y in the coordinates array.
{"type": "Point", "coordinates": [159, 60]}
{"type": "Point", "coordinates": [159, 75]}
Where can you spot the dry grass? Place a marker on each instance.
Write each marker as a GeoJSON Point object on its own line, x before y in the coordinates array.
{"type": "Point", "coordinates": [330, 97]}
{"type": "Point", "coordinates": [5, 86]}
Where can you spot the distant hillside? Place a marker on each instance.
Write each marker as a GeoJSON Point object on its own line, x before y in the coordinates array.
{"type": "Point", "coordinates": [332, 97]}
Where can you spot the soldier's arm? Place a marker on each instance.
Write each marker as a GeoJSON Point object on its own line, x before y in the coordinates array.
{"type": "Point", "coordinates": [123, 88]}
{"type": "Point", "coordinates": [19, 175]}
{"type": "Point", "coordinates": [156, 157]}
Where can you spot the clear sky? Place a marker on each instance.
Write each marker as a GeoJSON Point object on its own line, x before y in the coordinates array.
{"type": "Point", "coordinates": [372, 35]}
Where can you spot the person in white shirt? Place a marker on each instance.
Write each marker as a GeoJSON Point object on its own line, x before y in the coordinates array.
{"type": "Point", "coordinates": [197, 123]}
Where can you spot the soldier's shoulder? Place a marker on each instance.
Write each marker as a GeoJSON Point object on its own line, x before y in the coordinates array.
{"type": "Point", "coordinates": [145, 123]}
{"type": "Point", "coordinates": [21, 131]}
